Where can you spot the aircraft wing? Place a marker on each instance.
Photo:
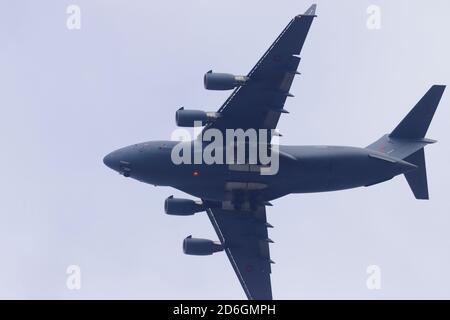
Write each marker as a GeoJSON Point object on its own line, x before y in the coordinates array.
{"type": "Point", "coordinates": [259, 103]}
{"type": "Point", "coordinates": [243, 235]}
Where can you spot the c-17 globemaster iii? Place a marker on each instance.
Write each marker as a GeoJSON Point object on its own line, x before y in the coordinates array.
{"type": "Point", "coordinates": [235, 190]}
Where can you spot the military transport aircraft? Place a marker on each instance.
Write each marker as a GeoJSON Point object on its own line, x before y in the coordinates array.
{"type": "Point", "coordinates": [235, 195]}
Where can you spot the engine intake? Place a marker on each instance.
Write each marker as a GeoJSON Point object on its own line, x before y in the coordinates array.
{"type": "Point", "coordinates": [200, 247]}
{"type": "Point", "coordinates": [223, 81]}
{"type": "Point", "coordinates": [182, 207]}
{"type": "Point", "coordinates": [187, 118]}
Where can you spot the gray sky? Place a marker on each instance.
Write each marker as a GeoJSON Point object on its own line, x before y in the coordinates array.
{"type": "Point", "coordinates": [69, 97]}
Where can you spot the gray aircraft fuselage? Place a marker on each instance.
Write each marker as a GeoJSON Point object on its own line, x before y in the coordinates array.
{"type": "Point", "coordinates": [302, 169]}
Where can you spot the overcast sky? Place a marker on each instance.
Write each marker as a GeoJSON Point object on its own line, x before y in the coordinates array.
{"type": "Point", "coordinates": [68, 97]}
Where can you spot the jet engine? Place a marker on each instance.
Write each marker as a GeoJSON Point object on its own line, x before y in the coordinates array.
{"type": "Point", "coordinates": [187, 118]}
{"type": "Point", "coordinates": [200, 247]}
{"type": "Point", "coordinates": [223, 81]}
{"type": "Point", "coordinates": [182, 207]}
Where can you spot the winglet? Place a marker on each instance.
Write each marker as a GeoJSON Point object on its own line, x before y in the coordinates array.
{"type": "Point", "coordinates": [310, 12]}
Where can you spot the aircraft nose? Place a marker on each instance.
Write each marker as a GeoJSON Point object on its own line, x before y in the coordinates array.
{"type": "Point", "coordinates": [120, 161]}
{"type": "Point", "coordinates": [110, 160]}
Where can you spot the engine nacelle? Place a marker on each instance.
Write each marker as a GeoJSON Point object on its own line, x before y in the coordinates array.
{"type": "Point", "coordinates": [187, 118]}
{"type": "Point", "coordinates": [200, 247]}
{"type": "Point", "coordinates": [182, 207]}
{"type": "Point", "coordinates": [223, 81]}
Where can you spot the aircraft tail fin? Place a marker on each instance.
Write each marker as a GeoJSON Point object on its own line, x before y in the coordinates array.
{"type": "Point", "coordinates": [415, 124]}
{"type": "Point", "coordinates": [407, 140]}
